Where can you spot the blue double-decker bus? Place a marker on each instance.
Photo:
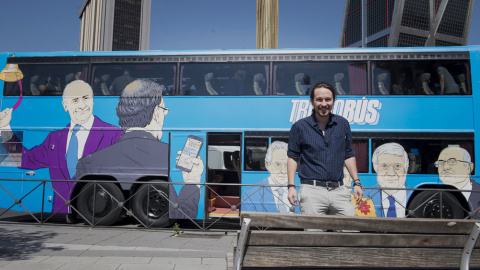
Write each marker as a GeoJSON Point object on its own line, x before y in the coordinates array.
{"type": "Point", "coordinates": [211, 140]}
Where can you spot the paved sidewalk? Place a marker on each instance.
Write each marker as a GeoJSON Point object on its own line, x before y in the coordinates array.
{"type": "Point", "coordinates": [53, 247]}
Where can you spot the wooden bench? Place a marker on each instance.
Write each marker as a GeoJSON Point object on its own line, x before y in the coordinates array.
{"type": "Point", "coordinates": [382, 243]}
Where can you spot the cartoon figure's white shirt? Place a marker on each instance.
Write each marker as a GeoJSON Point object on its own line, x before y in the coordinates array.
{"type": "Point", "coordinates": [82, 135]}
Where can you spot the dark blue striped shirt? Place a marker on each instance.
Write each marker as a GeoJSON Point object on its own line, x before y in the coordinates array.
{"type": "Point", "coordinates": [321, 157]}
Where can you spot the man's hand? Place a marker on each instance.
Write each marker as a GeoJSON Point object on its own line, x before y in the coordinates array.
{"type": "Point", "coordinates": [5, 117]}
{"type": "Point", "coordinates": [292, 196]}
{"type": "Point", "coordinates": [358, 193]}
{"type": "Point", "coordinates": [195, 175]}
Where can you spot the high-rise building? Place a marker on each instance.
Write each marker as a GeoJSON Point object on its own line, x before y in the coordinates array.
{"type": "Point", "coordinates": [406, 23]}
{"type": "Point", "coordinates": [115, 25]}
{"type": "Point", "coordinates": [267, 24]}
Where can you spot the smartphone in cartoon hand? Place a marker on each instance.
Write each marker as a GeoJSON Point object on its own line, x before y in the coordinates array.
{"type": "Point", "coordinates": [191, 149]}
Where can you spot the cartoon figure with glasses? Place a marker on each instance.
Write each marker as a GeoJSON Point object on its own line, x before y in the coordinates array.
{"type": "Point", "coordinates": [390, 161]}
{"type": "Point", "coordinates": [454, 168]}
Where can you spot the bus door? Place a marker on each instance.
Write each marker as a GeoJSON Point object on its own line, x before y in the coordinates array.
{"type": "Point", "coordinates": [223, 167]}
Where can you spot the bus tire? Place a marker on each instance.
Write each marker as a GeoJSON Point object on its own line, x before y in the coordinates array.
{"type": "Point", "coordinates": [108, 203]}
{"type": "Point", "coordinates": [150, 204]}
{"type": "Point", "coordinates": [427, 205]}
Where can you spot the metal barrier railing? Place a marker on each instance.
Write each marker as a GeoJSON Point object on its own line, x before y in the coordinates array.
{"type": "Point", "coordinates": [98, 203]}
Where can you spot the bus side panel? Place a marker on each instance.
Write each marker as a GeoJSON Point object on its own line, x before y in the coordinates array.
{"type": "Point", "coordinates": [475, 77]}
{"type": "Point", "coordinates": [364, 113]}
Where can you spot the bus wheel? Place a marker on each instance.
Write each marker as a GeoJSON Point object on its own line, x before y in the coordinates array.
{"type": "Point", "coordinates": [150, 204]}
{"type": "Point", "coordinates": [108, 203]}
{"type": "Point", "coordinates": [427, 205]}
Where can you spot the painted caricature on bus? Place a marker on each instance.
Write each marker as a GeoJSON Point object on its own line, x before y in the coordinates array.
{"type": "Point", "coordinates": [127, 153]}
{"type": "Point", "coordinates": [454, 168]}
{"type": "Point", "coordinates": [221, 119]}
{"type": "Point", "coordinates": [93, 134]}
{"type": "Point", "coordinates": [268, 198]}
{"type": "Point", "coordinates": [138, 152]}
{"type": "Point", "coordinates": [390, 161]}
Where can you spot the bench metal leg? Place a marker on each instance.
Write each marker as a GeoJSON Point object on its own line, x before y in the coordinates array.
{"type": "Point", "coordinates": [242, 241]}
{"type": "Point", "coordinates": [468, 249]}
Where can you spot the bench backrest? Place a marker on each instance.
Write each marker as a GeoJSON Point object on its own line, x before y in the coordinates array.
{"type": "Point", "coordinates": [364, 224]}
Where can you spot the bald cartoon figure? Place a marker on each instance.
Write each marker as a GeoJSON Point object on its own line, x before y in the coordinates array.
{"type": "Point", "coordinates": [61, 149]}
{"type": "Point", "coordinates": [454, 168]}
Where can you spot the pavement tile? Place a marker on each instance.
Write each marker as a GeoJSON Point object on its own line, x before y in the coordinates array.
{"type": "Point", "coordinates": [98, 253]}
{"type": "Point", "coordinates": [162, 254]}
{"type": "Point", "coordinates": [70, 260]}
{"type": "Point", "coordinates": [123, 238]}
{"type": "Point", "coordinates": [201, 254]}
{"type": "Point", "coordinates": [127, 260]}
{"type": "Point", "coordinates": [148, 267]}
{"type": "Point", "coordinates": [62, 252]}
{"type": "Point", "coordinates": [162, 261]}
{"type": "Point", "coordinates": [199, 267]}
{"type": "Point", "coordinates": [24, 259]}
{"type": "Point", "coordinates": [221, 261]}
{"type": "Point", "coordinates": [32, 265]}
{"type": "Point", "coordinates": [66, 246]}
{"type": "Point", "coordinates": [97, 247]}
{"type": "Point", "coordinates": [89, 266]}
{"type": "Point", "coordinates": [132, 253]}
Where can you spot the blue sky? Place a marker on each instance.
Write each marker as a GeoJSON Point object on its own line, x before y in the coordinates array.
{"type": "Point", "coordinates": [53, 25]}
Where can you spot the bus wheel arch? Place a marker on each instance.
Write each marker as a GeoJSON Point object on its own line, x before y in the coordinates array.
{"type": "Point", "coordinates": [107, 196]}
{"type": "Point", "coordinates": [426, 203]}
{"type": "Point", "coordinates": [150, 203]}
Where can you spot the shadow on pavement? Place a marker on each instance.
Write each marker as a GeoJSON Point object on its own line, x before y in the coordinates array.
{"type": "Point", "coordinates": [18, 244]}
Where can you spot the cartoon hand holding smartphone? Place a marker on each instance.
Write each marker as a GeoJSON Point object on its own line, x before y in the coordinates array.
{"type": "Point", "coordinates": [188, 160]}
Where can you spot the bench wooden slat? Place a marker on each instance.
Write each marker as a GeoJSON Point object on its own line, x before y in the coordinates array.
{"type": "Point", "coordinates": [329, 257]}
{"type": "Point", "coordinates": [399, 225]}
{"type": "Point", "coordinates": [343, 239]}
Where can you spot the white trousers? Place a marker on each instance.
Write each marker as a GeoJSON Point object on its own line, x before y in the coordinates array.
{"type": "Point", "coordinates": [316, 200]}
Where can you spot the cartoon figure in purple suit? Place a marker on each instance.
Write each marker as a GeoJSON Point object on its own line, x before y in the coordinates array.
{"type": "Point", "coordinates": [62, 149]}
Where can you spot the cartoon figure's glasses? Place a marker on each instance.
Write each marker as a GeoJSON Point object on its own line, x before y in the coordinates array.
{"type": "Point", "coordinates": [395, 166]}
{"type": "Point", "coordinates": [450, 161]}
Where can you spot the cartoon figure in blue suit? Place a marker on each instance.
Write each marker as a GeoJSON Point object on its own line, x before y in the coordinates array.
{"type": "Point", "coordinates": [390, 161]}
{"type": "Point", "coordinates": [271, 199]}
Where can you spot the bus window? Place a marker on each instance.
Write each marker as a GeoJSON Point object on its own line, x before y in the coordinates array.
{"type": "Point", "coordinates": [255, 151]}
{"type": "Point", "coordinates": [360, 147]}
{"type": "Point", "coordinates": [348, 78]}
{"type": "Point", "coordinates": [224, 79]}
{"type": "Point", "coordinates": [111, 79]}
{"type": "Point", "coordinates": [11, 150]}
{"type": "Point", "coordinates": [439, 77]}
{"type": "Point", "coordinates": [45, 80]}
